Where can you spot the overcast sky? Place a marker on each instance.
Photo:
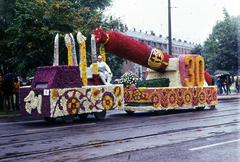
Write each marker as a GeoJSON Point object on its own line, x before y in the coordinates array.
{"type": "Point", "coordinates": [192, 20]}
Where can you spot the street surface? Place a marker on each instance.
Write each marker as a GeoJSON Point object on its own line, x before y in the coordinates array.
{"type": "Point", "coordinates": [178, 135]}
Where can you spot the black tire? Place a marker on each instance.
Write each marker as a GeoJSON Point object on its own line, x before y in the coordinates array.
{"type": "Point", "coordinates": [68, 118]}
{"type": "Point", "coordinates": [83, 116]}
{"type": "Point", "coordinates": [129, 112]}
{"type": "Point", "coordinates": [160, 112]}
{"type": "Point", "coordinates": [212, 107]}
{"type": "Point", "coordinates": [50, 120]}
{"type": "Point", "coordinates": [200, 108]}
{"type": "Point", "coordinates": [100, 115]}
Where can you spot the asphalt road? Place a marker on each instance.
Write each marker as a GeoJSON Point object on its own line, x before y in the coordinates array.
{"type": "Point", "coordinates": [177, 135]}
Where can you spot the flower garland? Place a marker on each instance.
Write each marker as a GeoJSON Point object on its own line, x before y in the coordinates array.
{"type": "Point", "coordinates": [84, 63]}
{"type": "Point", "coordinates": [169, 98]}
{"type": "Point", "coordinates": [102, 49]}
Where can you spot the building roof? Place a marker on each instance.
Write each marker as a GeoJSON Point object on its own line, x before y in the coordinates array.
{"type": "Point", "coordinates": [151, 37]}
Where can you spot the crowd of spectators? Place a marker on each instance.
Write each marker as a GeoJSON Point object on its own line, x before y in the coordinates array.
{"type": "Point", "coordinates": [9, 92]}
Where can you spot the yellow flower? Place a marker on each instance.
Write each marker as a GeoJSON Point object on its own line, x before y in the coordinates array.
{"type": "Point", "coordinates": [119, 104]}
{"type": "Point", "coordinates": [95, 93]}
{"type": "Point", "coordinates": [107, 102]}
{"type": "Point", "coordinates": [55, 94]}
{"type": "Point", "coordinates": [95, 68]}
{"type": "Point", "coordinates": [117, 91]}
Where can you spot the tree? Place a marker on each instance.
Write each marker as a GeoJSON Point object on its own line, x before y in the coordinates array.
{"type": "Point", "coordinates": [35, 26]}
{"type": "Point", "coordinates": [7, 15]}
{"type": "Point", "coordinates": [93, 5]}
{"type": "Point", "coordinates": [221, 48]}
{"type": "Point", "coordinates": [197, 49]}
{"type": "Point", "coordinates": [37, 22]}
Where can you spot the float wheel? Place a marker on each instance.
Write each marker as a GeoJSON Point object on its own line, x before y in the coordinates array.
{"type": "Point", "coordinates": [200, 108]}
{"type": "Point", "coordinates": [129, 112]}
{"type": "Point", "coordinates": [50, 120]}
{"type": "Point", "coordinates": [83, 116]}
{"type": "Point", "coordinates": [68, 118]}
{"type": "Point", "coordinates": [160, 112]}
{"type": "Point", "coordinates": [100, 115]}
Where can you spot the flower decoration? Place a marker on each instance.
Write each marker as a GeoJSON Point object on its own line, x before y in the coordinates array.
{"type": "Point", "coordinates": [187, 97]}
{"type": "Point", "coordinates": [137, 94]}
{"type": "Point", "coordinates": [190, 60]}
{"type": "Point", "coordinates": [199, 64]}
{"type": "Point", "coordinates": [172, 98]}
{"type": "Point", "coordinates": [95, 93]}
{"type": "Point", "coordinates": [119, 104]}
{"type": "Point", "coordinates": [179, 93]}
{"type": "Point", "coordinates": [208, 78]}
{"type": "Point", "coordinates": [126, 96]}
{"type": "Point", "coordinates": [117, 91]}
{"type": "Point", "coordinates": [108, 100]}
{"type": "Point", "coordinates": [209, 93]}
{"type": "Point", "coordinates": [195, 92]}
{"type": "Point", "coordinates": [164, 92]}
{"type": "Point", "coordinates": [95, 68]}
{"type": "Point", "coordinates": [102, 49]}
{"type": "Point", "coordinates": [145, 96]}
{"type": "Point", "coordinates": [84, 63]}
{"type": "Point", "coordinates": [73, 105]}
{"type": "Point", "coordinates": [214, 95]}
{"type": "Point", "coordinates": [55, 94]}
{"type": "Point", "coordinates": [155, 99]}
{"type": "Point", "coordinates": [202, 96]}
{"type": "Point", "coordinates": [128, 78]}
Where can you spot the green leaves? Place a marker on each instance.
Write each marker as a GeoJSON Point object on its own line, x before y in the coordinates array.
{"type": "Point", "coordinates": [27, 39]}
{"type": "Point", "coordinates": [221, 47]}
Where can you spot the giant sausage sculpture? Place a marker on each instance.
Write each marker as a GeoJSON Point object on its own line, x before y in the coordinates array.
{"type": "Point", "coordinates": [132, 50]}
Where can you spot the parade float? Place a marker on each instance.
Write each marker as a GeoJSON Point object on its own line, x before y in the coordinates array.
{"type": "Point", "coordinates": [178, 82]}
{"type": "Point", "coordinates": [67, 91]}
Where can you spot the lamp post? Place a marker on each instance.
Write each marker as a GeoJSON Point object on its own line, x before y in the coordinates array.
{"type": "Point", "coordinates": [169, 29]}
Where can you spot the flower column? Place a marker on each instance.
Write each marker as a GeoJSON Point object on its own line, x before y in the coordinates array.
{"type": "Point", "coordinates": [82, 43]}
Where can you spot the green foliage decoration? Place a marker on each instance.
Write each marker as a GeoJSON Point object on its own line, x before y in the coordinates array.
{"type": "Point", "coordinates": [162, 82]}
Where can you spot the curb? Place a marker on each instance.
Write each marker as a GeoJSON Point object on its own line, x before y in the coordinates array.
{"type": "Point", "coordinates": [228, 97]}
{"type": "Point", "coordinates": [10, 115]}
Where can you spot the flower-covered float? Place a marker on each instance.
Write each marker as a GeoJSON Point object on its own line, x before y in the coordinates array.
{"type": "Point", "coordinates": [71, 90]}
{"type": "Point", "coordinates": [186, 83]}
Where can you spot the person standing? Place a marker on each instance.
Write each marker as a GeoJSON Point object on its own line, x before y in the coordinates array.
{"type": "Point", "coordinates": [228, 84]}
{"type": "Point", "coordinates": [223, 83]}
{"type": "Point", "coordinates": [219, 86]}
{"type": "Point", "coordinates": [1, 94]}
{"type": "Point", "coordinates": [7, 93]}
{"type": "Point", "coordinates": [16, 91]}
{"type": "Point", "coordinates": [237, 85]}
{"type": "Point", "coordinates": [28, 82]}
